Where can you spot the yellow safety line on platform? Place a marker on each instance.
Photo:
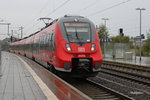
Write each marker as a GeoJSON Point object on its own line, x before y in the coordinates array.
{"type": "Point", "coordinates": [47, 92]}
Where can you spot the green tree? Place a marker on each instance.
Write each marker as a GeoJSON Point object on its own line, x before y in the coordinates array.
{"type": "Point", "coordinates": [146, 46]}
{"type": "Point", "coordinates": [103, 31]}
{"type": "Point", "coordinates": [121, 39]}
{"type": "Point", "coordinates": [4, 45]}
{"type": "Point", "coordinates": [148, 34]}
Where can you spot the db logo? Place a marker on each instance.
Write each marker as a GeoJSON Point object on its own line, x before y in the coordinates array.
{"type": "Point", "coordinates": [81, 49]}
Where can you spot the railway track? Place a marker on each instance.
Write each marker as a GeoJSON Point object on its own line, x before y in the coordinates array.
{"type": "Point", "coordinates": [135, 73]}
{"type": "Point", "coordinates": [130, 68]}
{"type": "Point", "coordinates": [126, 79]}
{"type": "Point", "coordinates": [129, 76]}
{"type": "Point", "coordinates": [97, 91]}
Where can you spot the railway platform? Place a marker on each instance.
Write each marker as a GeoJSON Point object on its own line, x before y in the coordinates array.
{"type": "Point", "coordinates": [145, 61]}
{"type": "Point", "coordinates": [25, 80]}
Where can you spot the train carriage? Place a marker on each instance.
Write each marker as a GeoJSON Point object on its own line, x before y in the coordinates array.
{"type": "Point", "coordinates": [68, 45]}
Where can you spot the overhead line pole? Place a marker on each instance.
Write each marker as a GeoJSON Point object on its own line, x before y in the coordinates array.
{"type": "Point", "coordinates": [21, 28]}
{"type": "Point", "coordinates": [8, 29]}
{"type": "Point", "coordinates": [6, 24]}
{"type": "Point", "coordinates": [105, 19]}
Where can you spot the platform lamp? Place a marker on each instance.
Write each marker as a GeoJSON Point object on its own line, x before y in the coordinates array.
{"type": "Point", "coordinates": [140, 9]}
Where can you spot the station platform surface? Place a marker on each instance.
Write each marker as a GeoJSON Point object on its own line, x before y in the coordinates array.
{"type": "Point", "coordinates": [16, 82]}
{"type": "Point", "coordinates": [19, 82]}
{"type": "Point", "coordinates": [145, 61]}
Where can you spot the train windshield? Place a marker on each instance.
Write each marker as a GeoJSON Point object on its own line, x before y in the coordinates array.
{"type": "Point", "coordinates": [78, 32]}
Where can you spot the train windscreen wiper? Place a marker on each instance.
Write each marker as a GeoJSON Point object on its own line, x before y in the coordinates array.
{"type": "Point", "coordinates": [77, 36]}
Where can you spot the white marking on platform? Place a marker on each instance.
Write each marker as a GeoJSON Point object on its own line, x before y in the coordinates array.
{"type": "Point", "coordinates": [47, 92]}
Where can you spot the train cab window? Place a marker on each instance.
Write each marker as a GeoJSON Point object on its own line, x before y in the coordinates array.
{"type": "Point", "coordinates": [78, 32]}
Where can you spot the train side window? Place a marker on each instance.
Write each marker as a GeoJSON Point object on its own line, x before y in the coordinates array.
{"type": "Point", "coordinates": [52, 37]}
{"type": "Point", "coordinates": [40, 42]}
{"type": "Point", "coordinates": [43, 44]}
{"type": "Point", "coordinates": [49, 37]}
{"type": "Point", "coordinates": [47, 41]}
{"type": "Point", "coordinates": [44, 39]}
{"type": "Point", "coordinates": [53, 42]}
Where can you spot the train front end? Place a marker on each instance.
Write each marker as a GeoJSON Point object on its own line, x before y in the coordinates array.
{"type": "Point", "coordinates": [78, 50]}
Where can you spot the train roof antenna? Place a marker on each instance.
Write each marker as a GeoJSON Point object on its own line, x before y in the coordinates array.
{"type": "Point", "coordinates": [46, 20]}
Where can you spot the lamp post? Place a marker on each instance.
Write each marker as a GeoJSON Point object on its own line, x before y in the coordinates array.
{"type": "Point", "coordinates": [0, 65]}
{"type": "Point", "coordinates": [105, 19]}
{"type": "Point", "coordinates": [140, 9]}
{"type": "Point", "coordinates": [21, 28]}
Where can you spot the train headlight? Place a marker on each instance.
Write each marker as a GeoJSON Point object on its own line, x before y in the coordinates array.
{"type": "Point", "coordinates": [93, 47]}
{"type": "Point", "coordinates": [68, 47]}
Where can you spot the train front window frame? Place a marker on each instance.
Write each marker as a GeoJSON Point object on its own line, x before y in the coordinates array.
{"type": "Point", "coordinates": [78, 32]}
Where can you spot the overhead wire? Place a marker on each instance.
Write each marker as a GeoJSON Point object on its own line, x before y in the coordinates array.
{"type": "Point", "coordinates": [94, 2]}
{"type": "Point", "coordinates": [95, 13]}
{"type": "Point", "coordinates": [90, 5]}
{"type": "Point", "coordinates": [103, 10]}
{"type": "Point", "coordinates": [37, 14]}
{"type": "Point", "coordinates": [61, 5]}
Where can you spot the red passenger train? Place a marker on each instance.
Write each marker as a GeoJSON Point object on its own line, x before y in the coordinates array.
{"type": "Point", "coordinates": [67, 46]}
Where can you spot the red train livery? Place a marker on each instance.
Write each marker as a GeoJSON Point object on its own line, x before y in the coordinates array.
{"type": "Point", "coordinates": [67, 46]}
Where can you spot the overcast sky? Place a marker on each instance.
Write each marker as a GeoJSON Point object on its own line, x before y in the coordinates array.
{"type": "Point", "coordinates": [121, 15]}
